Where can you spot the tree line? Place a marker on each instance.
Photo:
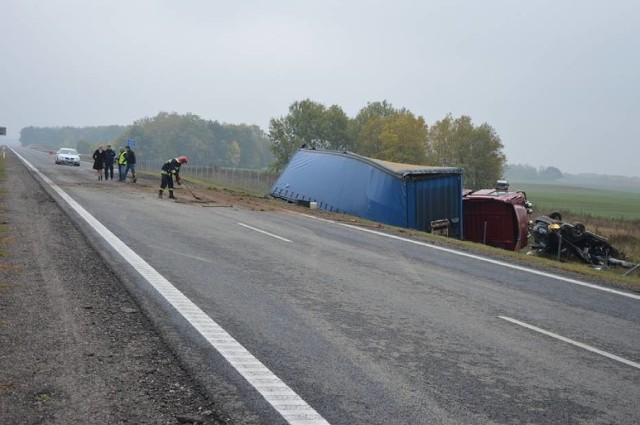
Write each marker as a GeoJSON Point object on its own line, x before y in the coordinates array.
{"type": "Point", "coordinates": [523, 172]}
{"type": "Point", "coordinates": [57, 137]}
{"type": "Point", "coordinates": [203, 141]}
{"type": "Point", "coordinates": [379, 130]}
{"type": "Point", "coordinates": [165, 136]}
{"type": "Point", "coordinates": [382, 131]}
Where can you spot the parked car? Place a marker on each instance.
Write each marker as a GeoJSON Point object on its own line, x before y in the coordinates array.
{"type": "Point", "coordinates": [68, 156]}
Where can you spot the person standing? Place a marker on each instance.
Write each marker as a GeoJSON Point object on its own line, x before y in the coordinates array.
{"type": "Point", "coordinates": [109, 159]}
{"type": "Point", "coordinates": [130, 157]}
{"type": "Point", "coordinates": [122, 163]}
{"type": "Point", "coordinates": [169, 170]}
{"type": "Point", "coordinates": [98, 161]}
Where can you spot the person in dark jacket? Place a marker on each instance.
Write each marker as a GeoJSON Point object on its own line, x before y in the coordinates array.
{"type": "Point", "coordinates": [109, 159]}
{"type": "Point", "coordinates": [130, 157]}
{"type": "Point", "coordinates": [98, 161]}
{"type": "Point", "coordinates": [169, 170]}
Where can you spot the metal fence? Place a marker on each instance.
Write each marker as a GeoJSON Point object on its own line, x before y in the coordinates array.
{"type": "Point", "coordinates": [254, 181]}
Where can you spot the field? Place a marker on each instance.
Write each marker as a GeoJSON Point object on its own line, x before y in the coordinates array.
{"type": "Point", "coordinates": [614, 214]}
{"type": "Point", "coordinates": [604, 203]}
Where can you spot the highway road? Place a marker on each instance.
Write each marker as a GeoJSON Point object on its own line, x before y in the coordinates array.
{"type": "Point", "coordinates": [308, 321]}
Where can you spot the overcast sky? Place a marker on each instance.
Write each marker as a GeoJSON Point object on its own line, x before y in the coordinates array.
{"type": "Point", "coordinates": [559, 81]}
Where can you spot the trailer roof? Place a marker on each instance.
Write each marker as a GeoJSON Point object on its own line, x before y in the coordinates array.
{"type": "Point", "coordinates": [396, 168]}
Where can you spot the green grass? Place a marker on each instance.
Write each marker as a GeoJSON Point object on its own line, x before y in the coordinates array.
{"type": "Point", "coordinates": [614, 204]}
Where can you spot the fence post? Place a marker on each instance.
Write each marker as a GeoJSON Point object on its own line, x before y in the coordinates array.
{"type": "Point", "coordinates": [559, 245]}
{"type": "Point", "coordinates": [484, 236]}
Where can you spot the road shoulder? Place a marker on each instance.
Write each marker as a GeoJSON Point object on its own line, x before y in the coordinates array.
{"type": "Point", "coordinates": [74, 346]}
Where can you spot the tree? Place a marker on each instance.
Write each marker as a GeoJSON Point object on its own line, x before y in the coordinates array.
{"type": "Point", "coordinates": [384, 132]}
{"type": "Point", "coordinates": [550, 173]}
{"type": "Point", "coordinates": [369, 137]}
{"type": "Point", "coordinates": [368, 125]}
{"type": "Point", "coordinates": [486, 157]}
{"type": "Point", "coordinates": [85, 147]}
{"type": "Point", "coordinates": [234, 154]}
{"type": "Point", "coordinates": [404, 138]}
{"type": "Point", "coordinates": [478, 150]}
{"type": "Point", "coordinates": [204, 142]}
{"type": "Point", "coordinates": [57, 137]}
{"type": "Point", "coordinates": [308, 124]}
{"type": "Point", "coordinates": [520, 172]}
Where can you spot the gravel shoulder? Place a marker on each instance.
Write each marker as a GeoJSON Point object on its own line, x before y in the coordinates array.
{"type": "Point", "coordinates": [74, 346]}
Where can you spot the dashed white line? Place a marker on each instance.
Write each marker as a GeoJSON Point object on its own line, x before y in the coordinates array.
{"type": "Point", "coordinates": [572, 342]}
{"type": "Point", "coordinates": [263, 232]}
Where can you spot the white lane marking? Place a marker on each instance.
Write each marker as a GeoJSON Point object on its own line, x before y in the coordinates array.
{"type": "Point", "coordinates": [263, 232]}
{"type": "Point", "coordinates": [276, 392]}
{"type": "Point", "coordinates": [573, 342]}
{"type": "Point", "coordinates": [477, 257]}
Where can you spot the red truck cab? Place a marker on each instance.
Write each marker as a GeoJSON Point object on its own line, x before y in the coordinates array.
{"type": "Point", "coordinates": [496, 217]}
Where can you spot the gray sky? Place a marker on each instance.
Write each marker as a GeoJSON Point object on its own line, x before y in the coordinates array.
{"type": "Point", "coordinates": [559, 81]}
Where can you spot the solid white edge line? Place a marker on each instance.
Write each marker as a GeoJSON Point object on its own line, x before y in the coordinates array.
{"type": "Point", "coordinates": [263, 232]}
{"type": "Point", "coordinates": [209, 329]}
{"type": "Point", "coordinates": [572, 342]}
{"type": "Point", "coordinates": [477, 257]}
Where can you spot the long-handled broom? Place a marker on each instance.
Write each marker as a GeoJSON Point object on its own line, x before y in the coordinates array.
{"type": "Point", "coordinates": [194, 195]}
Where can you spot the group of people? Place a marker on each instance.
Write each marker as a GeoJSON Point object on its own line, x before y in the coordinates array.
{"type": "Point", "coordinates": [104, 159]}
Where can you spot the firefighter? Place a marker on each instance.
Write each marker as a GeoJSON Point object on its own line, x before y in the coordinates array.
{"type": "Point", "coordinates": [170, 169]}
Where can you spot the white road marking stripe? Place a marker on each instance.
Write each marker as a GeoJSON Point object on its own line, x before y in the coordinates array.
{"type": "Point", "coordinates": [262, 231]}
{"type": "Point", "coordinates": [573, 342]}
{"type": "Point", "coordinates": [196, 317]}
{"type": "Point", "coordinates": [477, 257]}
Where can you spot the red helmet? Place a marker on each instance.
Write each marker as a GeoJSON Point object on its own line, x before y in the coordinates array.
{"type": "Point", "coordinates": [182, 159]}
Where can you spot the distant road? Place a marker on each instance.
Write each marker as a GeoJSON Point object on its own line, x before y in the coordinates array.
{"type": "Point", "coordinates": [333, 324]}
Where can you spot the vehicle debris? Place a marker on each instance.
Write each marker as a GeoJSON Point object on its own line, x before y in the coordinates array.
{"type": "Point", "coordinates": [572, 241]}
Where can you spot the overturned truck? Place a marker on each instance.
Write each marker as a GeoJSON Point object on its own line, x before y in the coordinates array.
{"type": "Point", "coordinates": [497, 217]}
{"type": "Point", "coordinates": [411, 196]}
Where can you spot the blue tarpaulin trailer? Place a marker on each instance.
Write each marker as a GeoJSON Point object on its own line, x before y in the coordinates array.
{"type": "Point", "coordinates": [403, 195]}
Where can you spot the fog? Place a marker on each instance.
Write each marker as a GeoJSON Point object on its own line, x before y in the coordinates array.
{"type": "Point", "coordinates": [557, 80]}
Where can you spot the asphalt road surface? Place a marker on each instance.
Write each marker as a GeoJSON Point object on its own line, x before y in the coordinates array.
{"type": "Point", "coordinates": [295, 319]}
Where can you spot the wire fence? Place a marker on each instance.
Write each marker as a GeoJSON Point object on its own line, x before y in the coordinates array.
{"type": "Point", "coordinates": [253, 181]}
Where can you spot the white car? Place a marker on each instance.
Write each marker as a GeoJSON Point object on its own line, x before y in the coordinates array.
{"type": "Point", "coordinates": [68, 156]}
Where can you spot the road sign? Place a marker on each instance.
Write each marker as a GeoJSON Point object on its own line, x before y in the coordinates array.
{"type": "Point", "coordinates": [3, 131]}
